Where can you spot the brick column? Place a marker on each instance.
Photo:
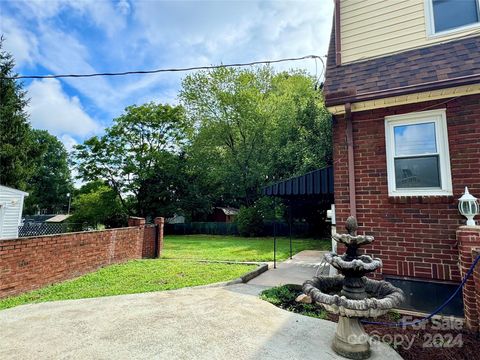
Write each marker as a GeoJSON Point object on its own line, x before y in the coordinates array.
{"type": "Point", "coordinates": [476, 279]}
{"type": "Point", "coordinates": [468, 238]}
{"type": "Point", "coordinates": [136, 221]}
{"type": "Point", "coordinates": [159, 221]}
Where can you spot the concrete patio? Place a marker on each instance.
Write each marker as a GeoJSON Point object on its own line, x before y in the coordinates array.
{"type": "Point", "coordinates": [191, 323]}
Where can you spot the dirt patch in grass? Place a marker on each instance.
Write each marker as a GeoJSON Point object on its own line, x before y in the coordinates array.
{"type": "Point", "coordinates": [437, 339]}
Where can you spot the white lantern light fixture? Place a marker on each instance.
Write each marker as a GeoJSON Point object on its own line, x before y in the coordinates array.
{"type": "Point", "coordinates": [468, 207]}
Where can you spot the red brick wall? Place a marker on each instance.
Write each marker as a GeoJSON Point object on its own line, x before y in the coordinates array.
{"type": "Point", "coordinates": [30, 263]}
{"type": "Point", "coordinates": [468, 245]}
{"type": "Point", "coordinates": [415, 236]}
{"type": "Point", "coordinates": [149, 237]}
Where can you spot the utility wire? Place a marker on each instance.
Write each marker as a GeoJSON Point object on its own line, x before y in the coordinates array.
{"type": "Point", "coordinates": [208, 67]}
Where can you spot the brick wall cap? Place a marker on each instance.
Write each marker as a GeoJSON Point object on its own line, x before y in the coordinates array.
{"type": "Point", "coordinates": [159, 220]}
{"type": "Point", "coordinates": [469, 228]}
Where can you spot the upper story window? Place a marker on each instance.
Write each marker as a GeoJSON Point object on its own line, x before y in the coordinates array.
{"type": "Point", "coordinates": [449, 15]}
{"type": "Point", "coordinates": [418, 161]}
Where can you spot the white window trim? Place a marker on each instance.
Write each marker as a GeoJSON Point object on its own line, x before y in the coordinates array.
{"type": "Point", "coordinates": [441, 134]}
{"type": "Point", "coordinates": [430, 22]}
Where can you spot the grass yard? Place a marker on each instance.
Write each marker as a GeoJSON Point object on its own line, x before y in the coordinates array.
{"type": "Point", "coordinates": [135, 276]}
{"type": "Point", "coordinates": [218, 247]}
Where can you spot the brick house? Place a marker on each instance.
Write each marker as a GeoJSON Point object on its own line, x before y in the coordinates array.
{"type": "Point", "coordinates": [403, 85]}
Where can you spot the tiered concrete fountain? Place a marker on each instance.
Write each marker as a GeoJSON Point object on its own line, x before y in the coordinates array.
{"type": "Point", "coordinates": [351, 295]}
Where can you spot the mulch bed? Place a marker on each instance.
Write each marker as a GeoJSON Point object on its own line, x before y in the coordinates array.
{"type": "Point", "coordinates": [445, 340]}
{"type": "Point", "coordinates": [429, 340]}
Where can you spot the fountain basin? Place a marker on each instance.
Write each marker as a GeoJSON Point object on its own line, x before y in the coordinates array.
{"type": "Point", "coordinates": [356, 240]}
{"type": "Point", "coordinates": [362, 264]}
{"type": "Point", "coordinates": [381, 296]}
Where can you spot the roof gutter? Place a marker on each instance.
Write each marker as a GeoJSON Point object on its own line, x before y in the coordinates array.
{"type": "Point", "coordinates": [351, 160]}
{"type": "Point", "coordinates": [404, 90]}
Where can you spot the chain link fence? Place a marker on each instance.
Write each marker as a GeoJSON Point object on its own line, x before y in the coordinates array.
{"type": "Point", "coordinates": [39, 229]}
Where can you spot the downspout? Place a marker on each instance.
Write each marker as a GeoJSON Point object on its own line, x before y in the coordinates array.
{"type": "Point", "coordinates": [338, 42]}
{"type": "Point", "coordinates": [351, 160]}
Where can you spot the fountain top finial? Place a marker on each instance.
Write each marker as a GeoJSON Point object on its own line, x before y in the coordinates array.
{"type": "Point", "coordinates": [352, 240]}
{"type": "Point", "coordinates": [351, 225]}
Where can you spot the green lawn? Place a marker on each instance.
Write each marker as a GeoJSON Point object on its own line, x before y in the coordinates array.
{"type": "Point", "coordinates": [139, 276]}
{"type": "Point", "coordinates": [136, 276]}
{"type": "Point", "coordinates": [216, 247]}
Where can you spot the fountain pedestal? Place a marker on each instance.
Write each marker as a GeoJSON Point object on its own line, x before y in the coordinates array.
{"type": "Point", "coordinates": [351, 340]}
{"type": "Point", "coordinates": [352, 295]}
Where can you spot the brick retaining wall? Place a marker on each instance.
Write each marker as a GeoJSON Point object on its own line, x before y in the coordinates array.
{"type": "Point", "coordinates": [32, 262]}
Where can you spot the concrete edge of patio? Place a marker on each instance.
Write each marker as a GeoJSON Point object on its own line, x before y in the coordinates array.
{"type": "Point", "coordinates": [262, 267]}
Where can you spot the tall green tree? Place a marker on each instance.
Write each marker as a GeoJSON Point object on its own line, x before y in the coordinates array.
{"type": "Point", "coordinates": [51, 182]}
{"type": "Point", "coordinates": [228, 108]}
{"type": "Point", "coordinates": [301, 138]}
{"type": "Point", "coordinates": [17, 155]}
{"type": "Point", "coordinates": [97, 204]}
{"type": "Point", "coordinates": [254, 126]}
{"type": "Point", "coordinates": [137, 153]}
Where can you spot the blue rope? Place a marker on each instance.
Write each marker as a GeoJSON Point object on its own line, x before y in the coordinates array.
{"type": "Point", "coordinates": [440, 308]}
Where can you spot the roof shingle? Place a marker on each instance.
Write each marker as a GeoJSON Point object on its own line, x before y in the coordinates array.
{"type": "Point", "coordinates": [444, 61]}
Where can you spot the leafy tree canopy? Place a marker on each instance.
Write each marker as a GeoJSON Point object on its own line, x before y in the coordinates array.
{"type": "Point", "coordinates": [254, 126]}
{"type": "Point", "coordinates": [97, 204]}
{"type": "Point", "coordinates": [51, 183]}
{"type": "Point", "coordinates": [136, 153]}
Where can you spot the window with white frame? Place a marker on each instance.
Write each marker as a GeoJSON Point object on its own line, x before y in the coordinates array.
{"type": "Point", "coordinates": [444, 16]}
{"type": "Point", "coordinates": [418, 161]}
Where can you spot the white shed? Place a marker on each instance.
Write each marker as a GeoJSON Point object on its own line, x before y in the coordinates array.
{"type": "Point", "coordinates": [11, 207]}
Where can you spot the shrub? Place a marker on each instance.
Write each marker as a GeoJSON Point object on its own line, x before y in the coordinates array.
{"type": "Point", "coordinates": [284, 297]}
{"type": "Point", "coordinates": [249, 221]}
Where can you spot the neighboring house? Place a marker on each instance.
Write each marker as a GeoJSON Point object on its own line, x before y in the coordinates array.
{"type": "Point", "coordinates": [176, 219]}
{"type": "Point", "coordinates": [403, 85]}
{"type": "Point", "coordinates": [223, 214]}
{"type": "Point", "coordinates": [11, 207]}
{"type": "Point", "coordinates": [60, 218]}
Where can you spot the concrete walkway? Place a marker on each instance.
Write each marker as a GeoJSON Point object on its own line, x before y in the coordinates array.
{"type": "Point", "coordinates": [192, 323]}
{"type": "Point", "coordinates": [303, 266]}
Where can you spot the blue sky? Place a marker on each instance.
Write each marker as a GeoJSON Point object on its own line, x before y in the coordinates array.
{"type": "Point", "coordinates": [61, 36]}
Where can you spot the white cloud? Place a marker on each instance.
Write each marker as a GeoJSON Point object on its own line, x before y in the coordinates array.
{"type": "Point", "coordinates": [124, 7]}
{"type": "Point", "coordinates": [20, 42]}
{"type": "Point", "coordinates": [62, 36]}
{"type": "Point", "coordinates": [51, 109]}
{"type": "Point", "coordinates": [104, 14]}
{"type": "Point", "coordinates": [213, 32]}
{"type": "Point", "coordinates": [68, 141]}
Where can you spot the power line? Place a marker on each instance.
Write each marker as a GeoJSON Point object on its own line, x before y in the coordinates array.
{"type": "Point", "coordinates": [165, 70]}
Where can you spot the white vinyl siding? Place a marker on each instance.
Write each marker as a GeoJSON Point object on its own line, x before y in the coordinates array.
{"type": "Point", "coordinates": [11, 207]}
{"type": "Point", "coordinates": [374, 28]}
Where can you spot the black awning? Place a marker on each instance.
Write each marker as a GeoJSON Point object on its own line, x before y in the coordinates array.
{"type": "Point", "coordinates": [315, 184]}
